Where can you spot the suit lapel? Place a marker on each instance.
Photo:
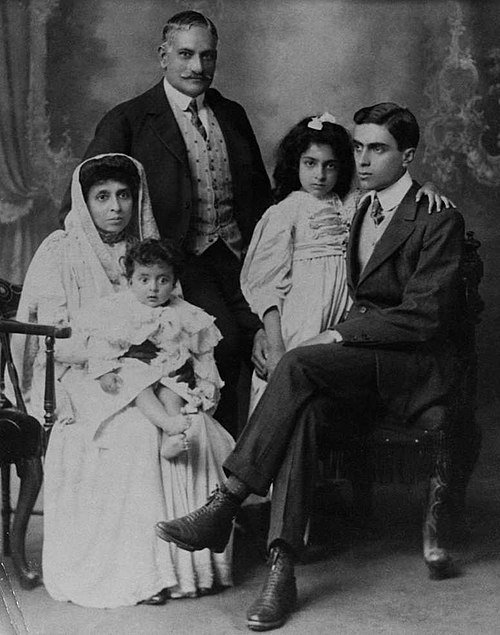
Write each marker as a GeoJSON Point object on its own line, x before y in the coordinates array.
{"type": "Point", "coordinates": [352, 245]}
{"type": "Point", "coordinates": [398, 230]}
{"type": "Point", "coordinates": [165, 125]}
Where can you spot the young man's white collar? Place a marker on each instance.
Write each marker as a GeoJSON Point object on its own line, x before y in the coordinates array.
{"type": "Point", "coordinates": [181, 100]}
{"type": "Point", "coordinates": [392, 196]}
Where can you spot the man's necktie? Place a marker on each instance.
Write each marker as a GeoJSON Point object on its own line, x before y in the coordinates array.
{"type": "Point", "coordinates": [195, 119]}
{"type": "Point", "coordinates": [376, 212]}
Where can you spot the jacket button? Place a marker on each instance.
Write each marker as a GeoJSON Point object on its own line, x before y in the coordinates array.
{"type": "Point", "coordinates": [363, 309]}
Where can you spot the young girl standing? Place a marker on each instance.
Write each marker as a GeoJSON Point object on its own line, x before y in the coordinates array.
{"type": "Point", "coordinates": [294, 274]}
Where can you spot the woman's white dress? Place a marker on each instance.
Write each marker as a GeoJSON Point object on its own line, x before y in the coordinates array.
{"type": "Point", "coordinates": [296, 262]}
{"type": "Point", "coordinates": [104, 493]}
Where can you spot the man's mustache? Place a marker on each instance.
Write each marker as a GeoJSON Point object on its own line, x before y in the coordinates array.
{"type": "Point", "coordinates": [206, 76]}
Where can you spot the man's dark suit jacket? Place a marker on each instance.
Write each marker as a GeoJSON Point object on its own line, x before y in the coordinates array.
{"type": "Point", "coordinates": [406, 304]}
{"type": "Point", "coordinates": [145, 128]}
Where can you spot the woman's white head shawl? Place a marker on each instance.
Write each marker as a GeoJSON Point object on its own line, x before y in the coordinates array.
{"type": "Point", "coordinates": [79, 223]}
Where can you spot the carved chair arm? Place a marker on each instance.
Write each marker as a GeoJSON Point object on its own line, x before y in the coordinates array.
{"type": "Point", "coordinates": [29, 328]}
{"type": "Point", "coordinates": [51, 333]}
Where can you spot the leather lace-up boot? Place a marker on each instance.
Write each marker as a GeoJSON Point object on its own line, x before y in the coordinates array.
{"type": "Point", "coordinates": [278, 596]}
{"type": "Point", "coordinates": [208, 527]}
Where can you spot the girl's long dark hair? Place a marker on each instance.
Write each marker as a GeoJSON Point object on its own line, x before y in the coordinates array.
{"type": "Point", "coordinates": [297, 141]}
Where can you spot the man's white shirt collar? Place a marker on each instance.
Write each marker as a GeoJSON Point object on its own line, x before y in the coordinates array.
{"type": "Point", "coordinates": [181, 100]}
{"type": "Point", "coordinates": [392, 196]}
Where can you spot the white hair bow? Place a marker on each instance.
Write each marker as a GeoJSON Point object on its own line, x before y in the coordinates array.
{"type": "Point", "coordinates": [316, 123]}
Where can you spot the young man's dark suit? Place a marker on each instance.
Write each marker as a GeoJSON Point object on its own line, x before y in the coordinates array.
{"type": "Point", "coordinates": [146, 129]}
{"type": "Point", "coordinates": [399, 353]}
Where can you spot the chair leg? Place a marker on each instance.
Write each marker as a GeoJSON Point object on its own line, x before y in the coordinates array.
{"type": "Point", "coordinates": [31, 474]}
{"type": "Point", "coordinates": [465, 456]}
{"type": "Point", "coordinates": [6, 509]}
{"type": "Point", "coordinates": [436, 556]}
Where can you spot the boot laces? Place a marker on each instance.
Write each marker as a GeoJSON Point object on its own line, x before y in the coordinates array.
{"type": "Point", "coordinates": [215, 495]}
{"type": "Point", "coordinates": [222, 496]}
{"type": "Point", "coordinates": [279, 576]}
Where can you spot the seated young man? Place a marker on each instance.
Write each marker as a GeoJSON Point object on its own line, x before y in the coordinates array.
{"type": "Point", "coordinates": [395, 351]}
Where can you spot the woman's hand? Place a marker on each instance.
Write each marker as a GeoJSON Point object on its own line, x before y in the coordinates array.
{"type": "Point", "coordinates": [176, 424]}
{"type": "Point", "coordinates": [172, 446]}
{"type": "Point", "coordinates": [110, 382]}
{"type": "Point", "coordinates": [436, 199]}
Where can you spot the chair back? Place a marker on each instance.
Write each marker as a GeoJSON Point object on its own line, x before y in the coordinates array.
{"type": "Point", "coordinates": [9, 300]}
{"type": "Point", "coordinates": [472, 273]}
{"type": "Point", "coordinates": [10, 294]}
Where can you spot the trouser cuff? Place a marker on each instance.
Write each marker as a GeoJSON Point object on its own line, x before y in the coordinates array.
{"type": "Point", "coordinates": [254, 479]}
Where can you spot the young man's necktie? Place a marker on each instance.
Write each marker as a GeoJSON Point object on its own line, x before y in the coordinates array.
{"type": "Point", "coordinates": [376, 212]}
{"type": "Point", "coordinates": [195, 118]}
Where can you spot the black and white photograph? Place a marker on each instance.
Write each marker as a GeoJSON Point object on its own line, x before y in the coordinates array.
{"type": "Point", "coordinates": [249, 317]}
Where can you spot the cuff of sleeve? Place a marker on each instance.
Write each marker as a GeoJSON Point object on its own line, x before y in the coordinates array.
{"type": "Point", "coordinates": [267, 303]}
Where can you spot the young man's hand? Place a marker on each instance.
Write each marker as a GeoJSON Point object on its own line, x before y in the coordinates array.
{"type": "Point", "coordinates": [326, 337]}
{"type": "Point", "coordinates": [436, 200]}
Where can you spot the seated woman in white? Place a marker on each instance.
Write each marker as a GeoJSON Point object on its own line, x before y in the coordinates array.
{"type": "Point", "coordinates": [104, 483]}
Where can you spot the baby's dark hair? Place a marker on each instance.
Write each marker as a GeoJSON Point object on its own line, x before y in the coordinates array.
{"type": "Point", "coordinates": [110, 167]}
{"type": "Point", "coordinates": [297, 141]}
{"type": "Point", "coordinates": [152, 251]}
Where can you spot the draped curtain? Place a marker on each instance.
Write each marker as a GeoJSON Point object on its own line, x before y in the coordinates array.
{"type": "Point", "coordinates": [29, 168]}
{"type": "Point", "coordinates": [17, 186]}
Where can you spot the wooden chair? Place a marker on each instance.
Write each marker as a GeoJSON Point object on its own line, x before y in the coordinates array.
{"type": "Point", "coordinates": [22, 437]}
{"type": "Point", "coordinates": [445, 459]}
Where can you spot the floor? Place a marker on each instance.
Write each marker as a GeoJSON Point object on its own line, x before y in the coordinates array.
{"type": "Point", "coordinates": [363, 582]}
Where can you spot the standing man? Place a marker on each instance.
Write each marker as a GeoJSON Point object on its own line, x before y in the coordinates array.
{"type": "Point", "coordinates": [394, 354]}
{"type": "Point", "coordinates": [207, 182]}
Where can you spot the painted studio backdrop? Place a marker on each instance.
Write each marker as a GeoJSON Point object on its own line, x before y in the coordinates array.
{"type": "Point", "coordinates": [64, 63]}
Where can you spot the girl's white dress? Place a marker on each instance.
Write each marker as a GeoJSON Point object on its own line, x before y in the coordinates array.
{"type": "Point", "coordinates": [296, 262]}
{"type": "Point", "coordinates": [105, 485]}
